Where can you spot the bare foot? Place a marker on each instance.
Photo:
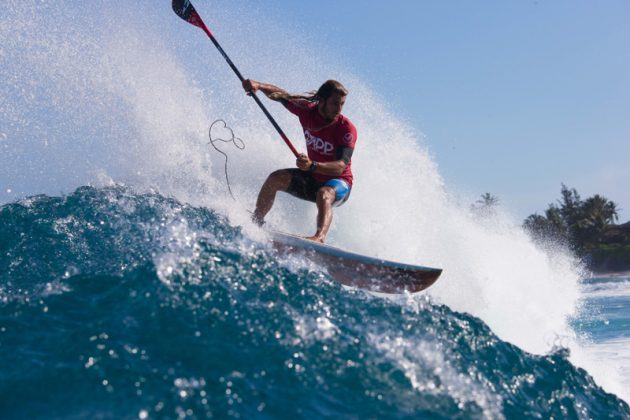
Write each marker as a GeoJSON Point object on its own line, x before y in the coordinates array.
{"type": "Point", "coordinates": [315, 238]}
{"type": "Point", "coordinates": [259, 221]}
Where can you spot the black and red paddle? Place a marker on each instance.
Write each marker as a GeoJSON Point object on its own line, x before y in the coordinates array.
{"type": "Point", "coordinates": [185, 10]}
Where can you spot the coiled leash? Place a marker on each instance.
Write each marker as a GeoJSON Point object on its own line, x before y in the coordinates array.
{"type": "Point", "coordinates": [237, 142]}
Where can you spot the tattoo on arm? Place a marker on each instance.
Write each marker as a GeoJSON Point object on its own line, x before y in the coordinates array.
{"type": "Point", "coordinates": [345, 154]}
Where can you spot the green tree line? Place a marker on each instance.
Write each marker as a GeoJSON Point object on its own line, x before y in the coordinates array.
{"type": "Point", "coordinates": [579, 223]}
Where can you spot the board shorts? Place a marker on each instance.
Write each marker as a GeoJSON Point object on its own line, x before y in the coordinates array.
{"type": "Point", "coordinates": [304, 186]}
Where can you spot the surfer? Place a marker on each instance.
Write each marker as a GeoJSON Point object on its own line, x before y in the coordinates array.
{"type": "Point", "coordinates": [324, 174]}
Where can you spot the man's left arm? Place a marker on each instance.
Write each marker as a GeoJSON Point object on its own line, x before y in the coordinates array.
{"type": "Point", "coordinates": [332, 168]}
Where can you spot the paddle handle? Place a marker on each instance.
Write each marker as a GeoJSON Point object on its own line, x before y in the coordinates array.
{"type": "Point", "coordinates": [188, 13]}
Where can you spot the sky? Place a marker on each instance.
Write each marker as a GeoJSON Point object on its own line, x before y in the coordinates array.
{"type": "Point", "coordinates": [514, 98]}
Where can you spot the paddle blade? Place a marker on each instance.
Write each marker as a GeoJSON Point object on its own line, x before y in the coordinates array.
{"type": "Point", "coordinates": [185, 10]}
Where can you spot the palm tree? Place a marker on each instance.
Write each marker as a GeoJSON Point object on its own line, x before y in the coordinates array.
{"type": "Point", "coordinates": [486, 206]}
{"type": "Point", "coordinates": [597, 214]}
{"type": "Point", "coordinates": [582, 223]}
{"type": "Point", "coordinates": [488, 200]}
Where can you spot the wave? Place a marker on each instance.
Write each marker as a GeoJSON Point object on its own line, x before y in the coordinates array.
{"type": "Point", "coordinates": [120, 303]}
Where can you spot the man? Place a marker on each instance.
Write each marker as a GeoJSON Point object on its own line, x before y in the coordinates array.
{"type": "Point", "coordinates": [324, 174]}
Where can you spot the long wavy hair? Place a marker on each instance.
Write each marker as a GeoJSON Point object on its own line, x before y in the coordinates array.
{"type": "Point", "coordinates": [324, 92]}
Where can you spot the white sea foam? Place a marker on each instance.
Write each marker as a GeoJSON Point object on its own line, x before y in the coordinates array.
{"type": "Point", "coordinates": [427, 369]}
{"type": "Point", "coordinates": [609, 363]}
{"type": "Point", "coordinates": [618, 288]}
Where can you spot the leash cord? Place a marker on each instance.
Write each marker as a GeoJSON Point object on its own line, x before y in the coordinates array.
{"type": "Point", "coordinates": [237, 142]}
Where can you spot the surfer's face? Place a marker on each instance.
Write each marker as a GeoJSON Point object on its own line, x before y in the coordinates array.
{"type": "Point", "coordinates": [332, 106]}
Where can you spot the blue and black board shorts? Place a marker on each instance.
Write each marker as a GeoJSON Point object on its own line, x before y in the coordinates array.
{"type": "Point", "coordinates": [304, 186]}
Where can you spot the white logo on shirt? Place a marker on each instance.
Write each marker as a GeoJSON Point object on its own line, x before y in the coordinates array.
{"type": "Point", "coordinates": [318, 144]}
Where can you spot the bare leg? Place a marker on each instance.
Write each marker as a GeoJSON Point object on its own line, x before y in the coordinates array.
{"type": "Point", "coordinates": [276, 181]}
{"type": "Point", "coordinates": [325, 199]}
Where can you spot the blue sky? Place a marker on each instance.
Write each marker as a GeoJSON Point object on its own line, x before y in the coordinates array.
{"type": "Point", "coordinates": [514, 98]}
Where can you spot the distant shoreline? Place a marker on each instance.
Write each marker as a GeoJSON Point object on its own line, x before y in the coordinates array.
{"type": "Point", "coordinates": [611, 274]}
{"type": "Point", "coordinates": [612, 254]}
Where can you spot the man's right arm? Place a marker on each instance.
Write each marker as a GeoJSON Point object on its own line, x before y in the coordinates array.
{"type": "Point", "coordinates": [272, 92]}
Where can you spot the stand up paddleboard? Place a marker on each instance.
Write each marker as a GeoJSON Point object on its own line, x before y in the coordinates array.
{"type": "Point", "coordinates": [355, 270]}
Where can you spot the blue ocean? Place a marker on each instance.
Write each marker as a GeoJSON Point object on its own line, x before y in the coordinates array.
{"type": "Point", "coordinates": [134, 285]}
{"type": "Point", "coordinates": [117, 305]}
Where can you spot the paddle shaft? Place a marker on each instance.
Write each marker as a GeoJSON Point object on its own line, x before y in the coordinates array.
{"type": "Point", "coordinates": [196, 20]}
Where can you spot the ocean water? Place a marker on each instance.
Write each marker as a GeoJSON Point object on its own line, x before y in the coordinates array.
{"type": "Point", "coordinates": [116, 304]}
{"type": "Point", "coordinates": [133, 285]}
{"type": "Point", "coordinates": [604, 320]}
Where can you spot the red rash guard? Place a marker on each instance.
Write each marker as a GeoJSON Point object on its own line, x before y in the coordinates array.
{"type": "Point", "coordinates": [325, 144]}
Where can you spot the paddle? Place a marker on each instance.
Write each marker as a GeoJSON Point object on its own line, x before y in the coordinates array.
{"type": "Point", "coordinates": [185, 10]}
